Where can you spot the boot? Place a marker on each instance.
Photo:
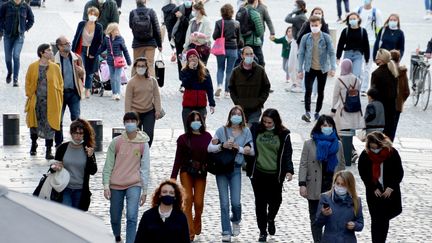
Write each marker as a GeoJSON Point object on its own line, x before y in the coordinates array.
{"type": "Point", "coordinates": [34, 144]}
{"type": "Point", "coordinates": [48, 154]}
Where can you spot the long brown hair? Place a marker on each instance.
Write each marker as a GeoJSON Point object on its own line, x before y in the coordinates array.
{"type": "Point", "coordinates": [202, 70]}
{"type": "Point", "coordinates": [89, 134]}
{"type": "Point", "coordinates": [179, 194]}
{"type": "Point", "coordinates": [239, 108]}
{"type": "Point", "coordinates": [349, 181]}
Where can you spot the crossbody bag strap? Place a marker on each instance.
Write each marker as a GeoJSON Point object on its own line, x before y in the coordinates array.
{"type": "Point", "coordinates": [222, 33]}
{"type": "Point", "coordinates": [345, 87]}
{"type": "Point", "coordinates": [109, 40]}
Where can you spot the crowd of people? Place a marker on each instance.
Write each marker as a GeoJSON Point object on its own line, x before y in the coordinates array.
{"type": "Point", "coordinates": [255, 140]}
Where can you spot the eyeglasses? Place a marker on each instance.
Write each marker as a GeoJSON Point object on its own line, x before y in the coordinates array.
{"type": "Point", "coordinates": [141, 66]}
{"type": "Point", "coordinates": [77, 133]}
{"type": "Point", "coordinates": [66, 44]}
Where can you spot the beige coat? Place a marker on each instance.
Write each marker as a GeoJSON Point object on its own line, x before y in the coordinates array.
{"type": "Point", "coordinates": [78, 69]}
{"type": "Point", "coordinates": [310, 170]}
{"type": "Point", "coordinates": [343, 119]}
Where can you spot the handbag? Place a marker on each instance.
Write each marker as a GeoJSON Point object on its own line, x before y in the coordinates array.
{"type": "Point", "coordinates": [55, 196]}
{"type": "Point", "coordinates": [119, 62]}
{"type": "Point", "coordinates": [223, 161]}
{"type": "Point", "coordinates": [192, 167]}
{"type": "Point", "coordinates": [160, 70]}
{"type": "Point", "coordinates": [218, 48]}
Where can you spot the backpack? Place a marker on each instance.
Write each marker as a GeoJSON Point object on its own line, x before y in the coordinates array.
{"type": "Point", "coordinates": [352, 98]}
{"type": "Point", "coordinates": [247, 26]}
{"type": "Point", "coordinates": [374, 19]}
{"type": "Point", "coordinates": [142, 27]}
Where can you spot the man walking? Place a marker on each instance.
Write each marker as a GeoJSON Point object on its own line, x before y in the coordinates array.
{"type": "Point", "coordinates": [16, 17]}
{"type": "Point", "coordinates": [249, 86]}
{"type": "Point", "coordinates": [146, 34]}
{"type": "Point", "coordinates": [317, 57]}
{"type": "Point", "coordinates": [73, 73]}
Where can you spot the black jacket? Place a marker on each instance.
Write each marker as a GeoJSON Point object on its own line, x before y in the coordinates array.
{"type": "Point", "coordinates": [152, 229]}
{"type": "Point", "coordinates": [96, 42]}
{"type": "Point", "coordinates": [231, 33]}
{"type": "Point", "coordinates": [392, 177]}
{"type": "Point", "coordinates": [284, 157]}
{"type": "Point", "coordinates": [90, 169]}
{"type": "Point", "coordinates": [156, 41]}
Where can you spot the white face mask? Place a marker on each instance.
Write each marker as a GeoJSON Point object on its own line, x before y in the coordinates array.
{"type": "Point", "coordinates": [101, 1]}
{"type": "Point", "coordinates": [340, 190]}
{"type": "Point", "coordinates": [141, 71]}
{"type": "Point", "coordinates": [92, 18]}
{"type": "Point", "coordinates": [315, 29]}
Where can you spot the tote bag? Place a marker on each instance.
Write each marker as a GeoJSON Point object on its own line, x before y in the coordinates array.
{"type": "Point", "coordinates": [218, 48]}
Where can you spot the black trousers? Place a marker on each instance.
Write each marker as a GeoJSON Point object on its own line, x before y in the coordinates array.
{"type": "Point", "coordinates": [119, 3]}
{"type": "Point", "coordinates": [309, 80]}
{"type": "Point", "coordinates": [379, 228]}
{"type": "Point", "coordinates": [179, 50]}
{"type": "Point", "coordinates": [268, 198]}
{"type": "Point", "coordinates": [316, 231]}
{"type": "Point", "coordinates": [339, 7]}
{"type": "Point", "coordinates": [259, 54]}
{"type": "Point", "coordinates": [147, 124]}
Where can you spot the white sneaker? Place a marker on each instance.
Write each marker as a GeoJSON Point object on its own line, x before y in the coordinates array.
{"type": "Point", "coordinates": [43, 5]}
{"type": "Point", "coordinates": [227, 95]}
{"type": "Point", "coordinates": [226, 238]}
{"type": "Point", "coordinates": [218, 90]}
{"type": "Point", "coordinates": [117, 97]}
{"type": "Point", "coordinates": [235, 229]}
{"type": "Point", "coordinates": [296, 89]}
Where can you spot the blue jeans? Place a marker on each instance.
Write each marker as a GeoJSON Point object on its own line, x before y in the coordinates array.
{"type": "Point", "coordinates": [133, 195]}
{"type": "Point", "coordinates": [229, 185]}
{"type": "Point", "coordinates": [230, 58]}
{"type": "Point", "coordinates": [357, 60]}
{"type": "Point", "coordinates": [428, 5]}
{"type": "Point", "coordinates": [12, 49]}
{"type": "Point", "coordinates": [72, 100]}
{"type": "Point", "coordinates": [89, 66]}
{"type": "Point", "coordinates": [71, 197]}
{"type": "Point", "coordinates": [339, 7]}
{"type": "Point", "coordinates": [115, 74]}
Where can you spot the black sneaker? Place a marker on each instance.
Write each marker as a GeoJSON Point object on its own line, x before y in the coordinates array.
{"type": "Point", "coordinates": [306, 117]}
{"type": "Point", "coordinates": [271, 227]}
{"type": "Point", "coordinates": [262, 238]}
{"type": "Point", "coordinates": [15, 83]}
{"type": "Point", "coordinates": [9, 78]}
{"type": "Point", "coordinates": [316, 116]}
{"type": "Point", "coordinates": [271, 91]}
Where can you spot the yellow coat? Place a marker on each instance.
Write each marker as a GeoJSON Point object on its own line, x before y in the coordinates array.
{"type": "Point", "coordinates": [54, 95]}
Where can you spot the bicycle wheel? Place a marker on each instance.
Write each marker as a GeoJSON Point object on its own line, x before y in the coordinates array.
{"type": "Point", "coordinates": [426, 89]}
{"type": "Point", "coordinates": [415, 94]}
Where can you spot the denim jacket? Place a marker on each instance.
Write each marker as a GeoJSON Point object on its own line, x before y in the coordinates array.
{"type": "Point", "coordinates": [327, 54]}
{"type": "Point", "coordinates": [7, 17]}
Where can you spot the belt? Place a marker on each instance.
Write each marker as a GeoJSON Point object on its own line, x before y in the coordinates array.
{"type": "Point", "coordinates": [69, 90]}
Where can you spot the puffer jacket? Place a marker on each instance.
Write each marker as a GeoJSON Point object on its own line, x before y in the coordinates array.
{"type": "Point", "coordinates": [196, 93]}
{"type": "Point", "coordinates": [118, 49]}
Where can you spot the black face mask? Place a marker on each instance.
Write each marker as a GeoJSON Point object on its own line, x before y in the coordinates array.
{"type": "Point", "coordinates": [167, 200]}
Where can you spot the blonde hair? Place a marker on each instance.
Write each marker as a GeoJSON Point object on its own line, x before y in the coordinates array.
{"type": "Point", "coordinates": [93, 10]}
{"type": "Point", "coordinates": [379, 139]}
{"type": "Point", "coordinates": [385, 56]}
{"type": "Point", "coordinates": [111, 27]}
{"type": "Point", "coordinates": [350, 184]}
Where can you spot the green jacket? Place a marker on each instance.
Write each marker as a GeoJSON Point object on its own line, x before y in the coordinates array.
{"type": "Point", "coordinates": [255, 38]}
{"type": "Point", "coordinates": [286, 46]}
{"type": "Point", "coordinates": [108, 12]}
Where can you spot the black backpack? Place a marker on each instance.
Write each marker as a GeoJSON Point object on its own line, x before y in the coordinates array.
{"type": "Point", "coordinates": [247, 26]}
{"type": "Point", "coordinates": [142, 27]}
{"type": "Point", "coordinates": [352, 98]}
{"type": "Point", "coordinates": [169, 17]}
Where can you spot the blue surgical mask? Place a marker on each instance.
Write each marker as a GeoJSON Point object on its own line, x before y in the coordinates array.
{"type": "Point", "coordinates": [376, 151]}
{"type": "Point", "coordinates": [327, 130]}
{"type": "Point", "coordinates": [236, 119]}
{"type": "Point", "coordinates": [393, 25]}
{"type": "Point", "coordinates": [367, 2]}
{"type": "Point", "coordinates": [188, 4]}
{"type": "Point", "coordinates": [249, 60]}
{"type": "Point", "coordinates": [353, 22]}
{"type": "Point", "coordinates": [195, 125]}
{"type": "Point", "coordinates": [130, 127]}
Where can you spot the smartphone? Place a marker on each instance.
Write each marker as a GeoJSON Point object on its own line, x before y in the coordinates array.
{"type": "Point", "coordinates": [326, 205]}
{"type": "Point", "coordinates": [231, 139]}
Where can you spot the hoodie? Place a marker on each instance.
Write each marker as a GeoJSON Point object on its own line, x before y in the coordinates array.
{"type": "Point", "coordinates": [127, 163]}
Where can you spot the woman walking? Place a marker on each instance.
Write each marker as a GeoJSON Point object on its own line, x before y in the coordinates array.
{"type": "Point", "coordinates": [235, 135]}
{"type": "Point", "coordinates": [191, 155]}
{"type": "Point", "coordinates": [142, 96]}
{"type": "Point", "coordinates": [87, 40]}
{"type": "Point", "coordinates": [44, 91]}
{"type": "Point", "coordinates": [322, 156]}
{"type": "Point", "coordinates": [77, 156]}
{"type": "Point", "coordinates": [390, 36]}
{"type": "Point", "coordinates": [380, 168]}
{"type": "Point", "coordinates": [271, 165]}
{"type": "Point", "coordinates": [230, 29]}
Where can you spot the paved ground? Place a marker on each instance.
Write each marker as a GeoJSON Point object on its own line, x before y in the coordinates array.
{"type": "Point", "coordinates": [21, 172]}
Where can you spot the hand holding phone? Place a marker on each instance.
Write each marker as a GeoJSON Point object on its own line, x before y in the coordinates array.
{"type": "Point", "coordinates": [326, 205]}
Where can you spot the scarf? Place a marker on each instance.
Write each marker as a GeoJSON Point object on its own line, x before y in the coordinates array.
{"type": "Point", "coordinates": [326, 149]}
{"type": "Point", "coordinates": [377, 160]}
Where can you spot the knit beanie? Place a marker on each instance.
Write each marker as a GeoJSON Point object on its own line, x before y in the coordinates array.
{"type": "Point", "coordinates": [192, 52]}
{"type": "Point", "coordinates": [346, 67]}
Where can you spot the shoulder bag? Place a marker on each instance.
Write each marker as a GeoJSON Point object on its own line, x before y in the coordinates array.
{"type": "Point", "coordinates": [119, 61]}
{"type": "Point", "coordinates": [223, 161]}
{"type": "Point", "coordinates": [218, 48]}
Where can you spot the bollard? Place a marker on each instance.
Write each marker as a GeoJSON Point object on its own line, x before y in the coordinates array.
{"type": "Point", "coordinates": [117, 131]}
{"type": "Point", "coordinates": [98, 129]}
{"type": "Point", "coordinates": [11, 129]}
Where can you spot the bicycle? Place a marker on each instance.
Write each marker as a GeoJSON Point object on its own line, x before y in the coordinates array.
{"type": "Point", "coordinates": [421, 80]}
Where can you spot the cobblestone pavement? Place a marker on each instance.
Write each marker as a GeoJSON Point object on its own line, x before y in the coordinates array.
{"type": "Point", "coordinates": [21, 172]}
